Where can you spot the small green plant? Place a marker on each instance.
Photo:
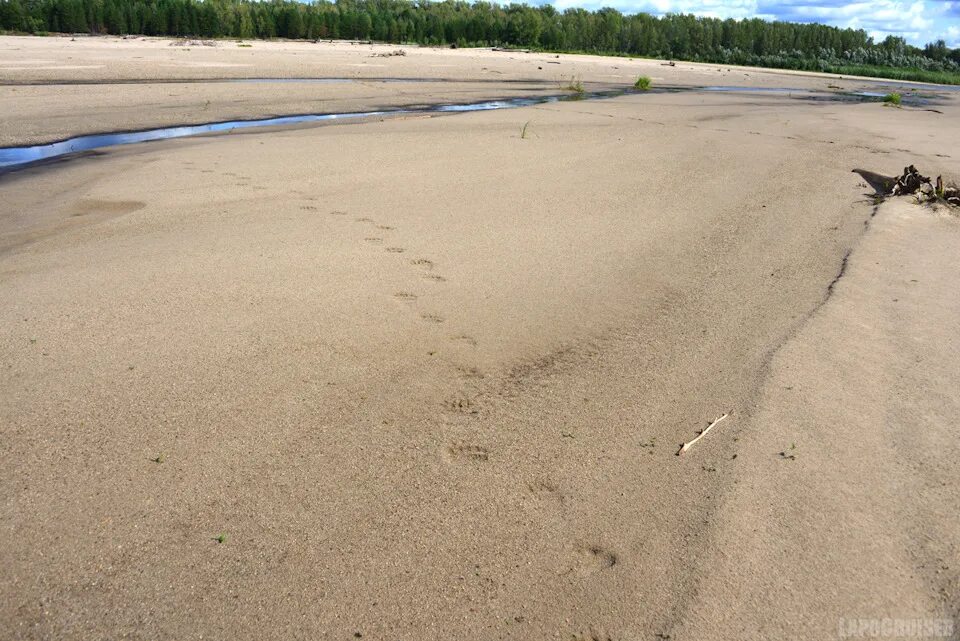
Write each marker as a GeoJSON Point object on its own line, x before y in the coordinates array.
{"type": "Point", "coordinates": [220, 538]}
{"type": "Point", "coordinates": [789, 457]}
{"type": "Point", "coordinates": [643, 83]}
{"type": "Point", "coordinates": [160, 458]}
{"type": "Point", "coordinates": [575, 85]}
{"type": "Point", "coordinates": [892, 99]}
{"type": "Point", "coordinates": [523, 130]}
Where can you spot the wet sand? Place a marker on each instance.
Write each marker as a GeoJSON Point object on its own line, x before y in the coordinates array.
{"type": "Point", "coordinates": [426, 378]}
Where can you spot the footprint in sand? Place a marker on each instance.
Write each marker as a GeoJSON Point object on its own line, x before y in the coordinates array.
{"type": "Point", "coordinates": [466, 340]}
{"type": "Point", "coordinates": [595, 558]}
{"type": "Point", "coordinates": [545, 489]}
{"type": "Point", "coordinates": [463, 452]}
{"type": "Point", "coordinates": [374, 241]}
{"type": "Point", "coordinates": [364, 219]}
{"type": "Point", "coordinates": [337, 212]}
{"type": "Point", "coordinates": [461, 406]}
{"type": "Point", "coordinates": [308, 208]}
{"type": "Point", "coordinates": [422, 262]}
{"type": "Point", "coordinates": [396, 250]}
{"type": "Point", "coordinates": [405, 296]}
{"type": "Point", "coordinates": [385, 227]}
{"type": "Point", "coordinates": [435, 277]}
{"type": "Point", "coordinates": [469, 373]}
{"type": "Point", "coordinates": [432, 318]}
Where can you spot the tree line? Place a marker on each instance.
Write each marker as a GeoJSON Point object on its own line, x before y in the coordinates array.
{"type": "Point", "coordinates": [456, 22]}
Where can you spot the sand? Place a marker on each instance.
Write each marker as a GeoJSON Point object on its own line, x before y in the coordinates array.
{"type": "Point", "coordinates": [426, 378]}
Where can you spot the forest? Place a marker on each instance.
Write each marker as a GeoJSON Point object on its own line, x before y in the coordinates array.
{"type": "Point", "coordinates": [812, 47]}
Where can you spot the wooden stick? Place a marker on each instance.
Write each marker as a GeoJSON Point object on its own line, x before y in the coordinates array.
{"type": "Point", "coordinates": [687, 446]}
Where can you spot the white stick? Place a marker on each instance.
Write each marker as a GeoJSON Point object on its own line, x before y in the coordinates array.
{"type": "Point", "coordinates": [687, 446]}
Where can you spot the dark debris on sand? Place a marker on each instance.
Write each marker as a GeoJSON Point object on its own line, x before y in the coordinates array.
{"type": "Point", "coordinates": [913, 182]}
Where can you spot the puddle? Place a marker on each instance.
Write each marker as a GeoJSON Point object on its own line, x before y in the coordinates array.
{"type": "Point", "coordinates": [731, 88]}
{"type": "Point", "coordinates": [331, 81]}
{"type": "Point", "coordinates": [904, 87]}
{"type": "Point", "coordinates": [12, 157]}
{"type": "Point", "coordinates": [911, 98]}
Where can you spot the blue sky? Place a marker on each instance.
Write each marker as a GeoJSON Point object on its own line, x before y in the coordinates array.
{"type": "Point", "coordinates": [919, 21]}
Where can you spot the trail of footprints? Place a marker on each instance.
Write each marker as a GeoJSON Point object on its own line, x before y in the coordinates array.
{"type": "Point", "coordinates": [457, 408]}
{"type": "Point", "coordinates": [588, 559]}
{"type": "Point", "coordinates": [379, 237]}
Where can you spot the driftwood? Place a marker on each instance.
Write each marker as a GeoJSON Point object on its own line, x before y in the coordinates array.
{"type": "Point", "coordinates": [687, 446]}
{"type": "Point", "coordinates": [910, 182]}
{"type": "Point", "coordinates": [913, 182]}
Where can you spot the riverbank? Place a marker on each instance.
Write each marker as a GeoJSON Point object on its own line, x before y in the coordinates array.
{"type": "Point", "coordinates": [427, 377]}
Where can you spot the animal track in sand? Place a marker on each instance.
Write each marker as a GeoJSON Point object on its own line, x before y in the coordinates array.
{"type": "Point", "coordinates": [405, 296]}
{"type": "Point", "coordinates": [385, 227]}
{"type": "Point", "coordinates": [374, 241]}
{"type": "Point", "coordinates": [545, 489]}
{"type": "Point", "coordinates": [432, 318]}
{"type": "Point", "coordinates": [396, 250]}
{"type": "Point", "coordinates": [469, 373]}
{"type": "Point", "coordinates": [308, 208]}
{"type": "Point", "coordinates": [364, 219]}
{"type": "Point", "coordinates": [422, 262]}
{"type": "Point", "coordinates": [466, 340]}
{"type": "Point", "coordinates": [595, 558]}
{"type": "Point", "coordinates": [435, 277]}
{"type": "Point", "coordinates": [468, 452]}
{"type": "Point", "coordinates": [461, 405]}
{"type": "Point", "coordinates": [337, 212]}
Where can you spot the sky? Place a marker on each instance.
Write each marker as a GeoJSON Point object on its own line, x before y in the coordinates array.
{"type": "Point", "coordinates": [918, 21]}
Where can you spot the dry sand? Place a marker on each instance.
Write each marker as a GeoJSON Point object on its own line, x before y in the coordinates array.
{"type": "Point", "coordinates": [427, 378]}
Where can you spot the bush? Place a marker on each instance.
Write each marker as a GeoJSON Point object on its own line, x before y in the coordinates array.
{"type": "Point", "coordinates": [643, 83]}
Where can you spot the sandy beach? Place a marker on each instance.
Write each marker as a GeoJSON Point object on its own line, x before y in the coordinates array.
{"type": "Point", "coordinates": [426, 376]}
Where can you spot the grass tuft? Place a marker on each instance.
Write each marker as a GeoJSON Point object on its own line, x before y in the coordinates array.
{"type": "Point", "coordinates": [575, 85]}
{"type": "Point", "coordinates": [892, 99]}
{"type": "Point", "coordinates": [643, 83]}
